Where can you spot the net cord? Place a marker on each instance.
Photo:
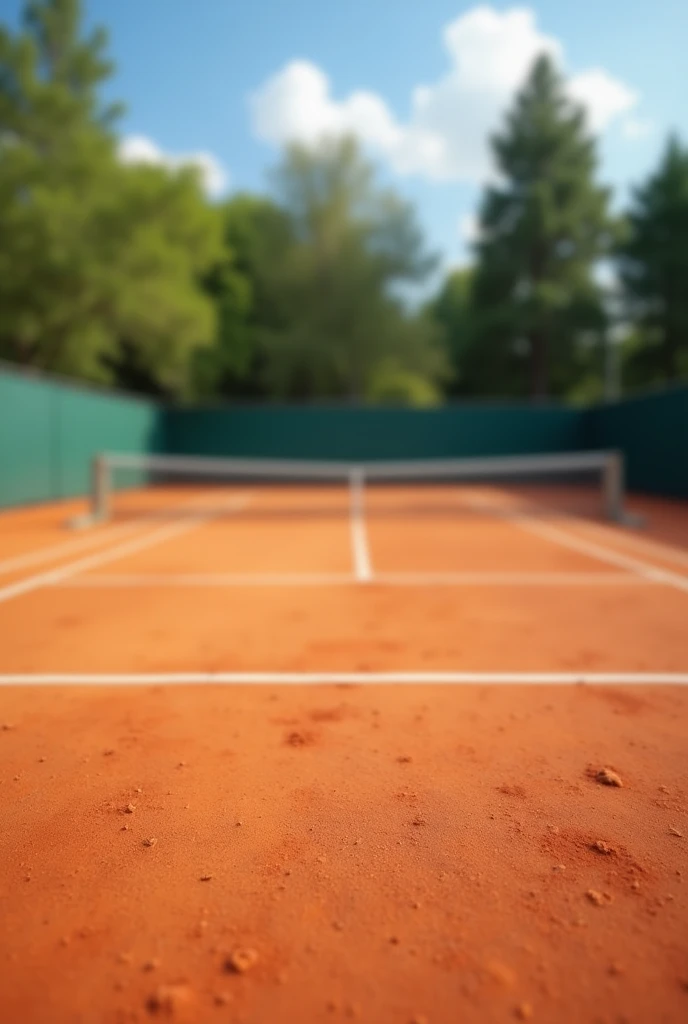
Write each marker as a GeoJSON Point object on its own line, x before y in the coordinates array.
{"type": "Point", "coordinates": [610, 465]}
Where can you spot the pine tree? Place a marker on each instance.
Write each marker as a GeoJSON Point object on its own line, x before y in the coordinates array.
{"type": "Point", "coordinates": [542, 227]}
{"type": "Point", "coordinates": [654, 266]}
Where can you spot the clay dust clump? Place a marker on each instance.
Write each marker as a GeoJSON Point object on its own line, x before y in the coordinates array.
{"type": "Point", "coordinates": [599, 899]}
{"type": "Point", "coordinates": [599, 846]}
{"type": "Point", "coordinates": [524, 1011]}
{"type": "Point", "coordinates": [607, 777]}
{"type": "Point", "coordinates": [299, 739]}
{"type": "Point", "coordinates": [241, 960]}
{"type": "Point", "coordinates": [169, 1000]}
{"type": "Point", "coordinates": [512, 790]}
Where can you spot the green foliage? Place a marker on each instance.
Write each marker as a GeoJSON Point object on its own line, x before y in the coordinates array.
{"type": "Point", "coordinates": [99, 261]}
{"type": "Point", "coordinates": [391, 384]}
{"type": "Point", "coordinates": [541, 232]}
{"type": "Point", "coordinates": [654, 269]}
{"type": "Point", "coordinates": [452, 309]}
{"type": "Point", "coordinates": [337, 316]}
{"type": "Point", "coordinates": [129, 275]}
{"type": "Point", "coordinates": [256, 238]}
{"type": "Point", "coordinates": [164, 239]}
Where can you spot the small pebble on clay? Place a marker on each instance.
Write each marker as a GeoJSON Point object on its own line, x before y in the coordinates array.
{"type": "Point", "coordinates": [169, 999]}
{"type": "Point", "coordinates": [601, 847]}
{"type": "Point", "coordinates": [600, 899]}
{"type": "Point", "coordinates": [608, 777]}
{"type": "Point", "coordinates": [241, 960]}
{"type": "Point", "coordinates": [524, 1011]}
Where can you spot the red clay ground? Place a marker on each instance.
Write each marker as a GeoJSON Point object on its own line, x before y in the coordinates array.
{"type": "Point", "coordinates": [391, 854]}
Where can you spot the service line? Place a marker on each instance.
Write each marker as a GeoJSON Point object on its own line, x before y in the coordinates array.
{"type": "Point", "coordinates": [112, 554]}
{"type": "Point", "coordinates": [346, 678]}
{"type": "Point", "coordinates": [386, 579]}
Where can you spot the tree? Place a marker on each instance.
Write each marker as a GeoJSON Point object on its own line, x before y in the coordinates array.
{"type": "Point", "coordinates": [99, 261]}
{"type": "Point", "coordinates": [338, 314]}
{"type": "Point", "coordinates": [162, 239]}
{"type": "Point", "coordinates": [542, 227]}
{"type": "Point", "coordinates": [654, 267]}
{"type": "Point", "coordinates": [243, 285]}
{"type": "Point", "coordinates": [452, 309]}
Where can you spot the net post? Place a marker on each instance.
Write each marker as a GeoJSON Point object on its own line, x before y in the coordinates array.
{"type": "Point", "coordinates": [356, 485]}
{"type": "Point", "coordinates": [613, 484]}
{"type": "Point", "coordinates": [100, 489]}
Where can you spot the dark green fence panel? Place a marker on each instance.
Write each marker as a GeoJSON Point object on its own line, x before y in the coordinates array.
{"type": "Point", "coordinates": [50, 431]}
{"type": "Point", "coordinates": [652, 432]}
{"type": "Point", "coordinates": [321, 432]}
{"type": "Point", "coordinates": [90, 422]}
{"type": "Point", "coordinates": [27, 439]}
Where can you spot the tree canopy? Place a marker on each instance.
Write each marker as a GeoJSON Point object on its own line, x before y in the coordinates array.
{"type": "Point", "coordinates": [654, 267]}
{"type": "Point", "coordinates": [99, 260]}
{"type": "Point", "coordinates": [543, 226]}
{"type": "Point", "coordinates": [129, 274]}
{"type": "Point", "coordinates": [353, 246]}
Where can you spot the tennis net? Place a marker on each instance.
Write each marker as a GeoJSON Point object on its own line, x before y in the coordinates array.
{"type": "Point", "coordinates": [587, 483]}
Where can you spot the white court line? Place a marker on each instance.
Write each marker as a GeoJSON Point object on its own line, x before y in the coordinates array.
{"type": "Point", "coordinates": [357, 678]}
{"type": "Point", "coordinates": [662, 550]}
{"type": "Point", "coordinates": [392, 579]}
{"type": "Point", "coordinates": [91, 539]}
{"type": "Point", "coordinates": [55, 551]}
{"type": "Point", "coordinates": [213, 580]}
{"type": "Point", "coordinates": [359, 541]}
{"type": "Point", "coordinates": [509, 579]}
{"type": "Point", "coordinates": [112, 554]}
{"type": "Point", "coordinates": [600, 551]}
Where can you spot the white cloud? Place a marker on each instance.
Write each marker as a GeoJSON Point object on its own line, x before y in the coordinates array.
{"type": "Point", "coordinates": [469, 228]}
{"type": "Point", "coordinates": [445, 136]}
{"type": "Point", "coordinates": [139, 149]}
{"type": "Point", "coordinates": [636, 128]}
{"type": "Point", "coordinates": [603, 96]}
{"type": "Point", "coordinates": [296, 104]}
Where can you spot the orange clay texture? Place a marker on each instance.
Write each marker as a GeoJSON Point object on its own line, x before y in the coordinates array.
{"type": "Point", "coordinates": [386, 854]}
{"type": "Point", "coordinates": [391, 855]}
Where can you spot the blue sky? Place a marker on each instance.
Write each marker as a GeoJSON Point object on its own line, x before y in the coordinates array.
{"type": "Point", "coordinates": [233, 79]}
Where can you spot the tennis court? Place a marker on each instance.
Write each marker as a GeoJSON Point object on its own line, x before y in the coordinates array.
{"type": "Point", "coordinates": [341, 848]}
{"type": "Point", "coordinates": [411, 578]}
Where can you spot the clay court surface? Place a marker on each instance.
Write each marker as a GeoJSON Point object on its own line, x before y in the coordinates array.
{"type": "Point", "coordinates": [404, 821]}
